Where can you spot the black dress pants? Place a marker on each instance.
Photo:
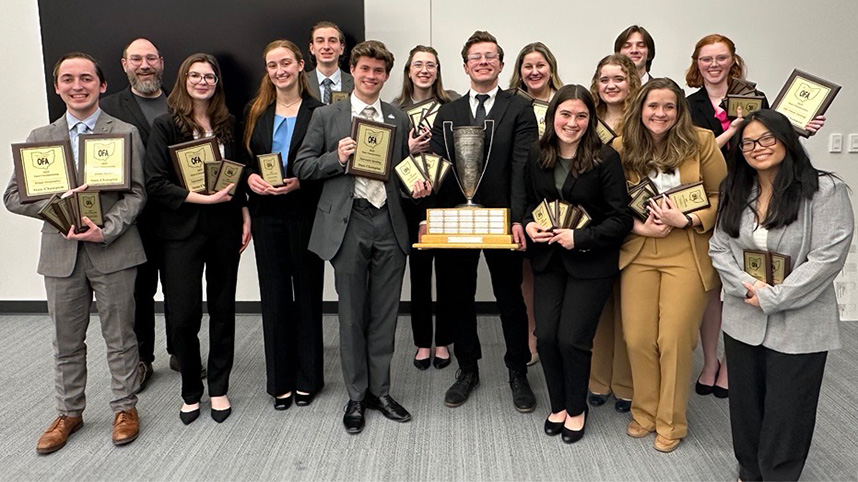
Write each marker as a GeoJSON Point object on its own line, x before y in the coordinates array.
{"type": "Point", "coordinates": [291, 280]}
{"type": "Point", "coordinates": [773, 399]}
{"type": "Point", "coordinates": [456, 270]}
{"type": "Point", "coordinates": [145, 288]}
{"type": "Point", "coordinates": [567, 311]}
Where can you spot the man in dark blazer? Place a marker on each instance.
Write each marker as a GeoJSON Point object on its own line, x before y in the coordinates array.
{"type": "Point", "coordinates": [502, 185]}
{"type": "Point", "coordinates": [139, 105]}
{"type": "Point", "coordinates": [327, 44]}
{"type": "Point", "coordinates": [360, 228]}
{"type": "Point", "coordinates": [100, 260]}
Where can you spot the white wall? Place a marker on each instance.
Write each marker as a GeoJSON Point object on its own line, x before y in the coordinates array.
{"type": "Point", "coordinates": [791, 34]}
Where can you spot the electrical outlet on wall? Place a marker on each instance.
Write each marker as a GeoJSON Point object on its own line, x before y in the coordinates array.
{"type": "Point", "coordinates": [853, 142]}
{"type": "Point", "coordinates": [835, 143]}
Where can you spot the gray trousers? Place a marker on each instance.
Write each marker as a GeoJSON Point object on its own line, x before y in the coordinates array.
{"type": "Point", "coordinates": [368, 271]}
{"type": "Point", "coordinates": [69, 301]}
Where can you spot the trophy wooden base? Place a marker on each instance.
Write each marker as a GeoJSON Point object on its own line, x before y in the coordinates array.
{"type": "Point", "coordinates": [467, 228]}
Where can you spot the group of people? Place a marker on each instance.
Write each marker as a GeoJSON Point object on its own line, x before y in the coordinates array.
{"type": "Point", "coordinates": [613, 307]}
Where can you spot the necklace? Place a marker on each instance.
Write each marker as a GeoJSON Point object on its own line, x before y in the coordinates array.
{"type": "Point", "coordinates": [290, 104]}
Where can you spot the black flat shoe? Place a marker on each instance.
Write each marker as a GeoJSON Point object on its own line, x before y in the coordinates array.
{"type": "Point", "coordinates": [622, 406]}
{"type": "Point", "coordinates": [553, 428]}
{"type": "Point", "coordinates": [220, 415]}
{"type": "Point", "coordinates": [188, 417]}
{"type": "Point", "coordinates": [597, 399]}
{"type": "Point", "coordinates": [303, 400]}
{"type": "Point", "coordinates": [282, 403]}
{"type": "Point", "coordinates": [440, 363]}
{"type": "Point", "coordinates": [570, 436]}
{"type": "Point", "coordinates": [720, 392]}
{"type": "Point", "coordinates": [423, 364]}
{"type": "Point", "coordinates": [702, 389]}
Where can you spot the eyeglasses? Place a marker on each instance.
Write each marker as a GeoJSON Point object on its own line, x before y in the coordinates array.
{"type": "Point", "coordinates": [430, 66]}
{"type": "Point", "coordinates": [766, 140]}
{"type": "Point", "coordinates": [490, 57]}
{"type": "Point", "coordinates": [196, 78]}
{"type": "Point", "coordinates": [721, 59]}
{"type": "Point", "coordinates": [137, 59]}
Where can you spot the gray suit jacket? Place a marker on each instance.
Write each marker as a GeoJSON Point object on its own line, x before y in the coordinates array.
{"type": "Point", "coordinates": [800, 315]}
{"type": "Point", "coordinates": [122, 247]}
{"type": "Point", "coordinates": [313, 78]}
{"type": "Point", "coordinates": [317, 160]}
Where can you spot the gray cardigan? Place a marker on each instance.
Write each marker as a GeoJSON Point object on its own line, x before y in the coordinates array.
{"type": "Point", "coordinates": [800, 315]}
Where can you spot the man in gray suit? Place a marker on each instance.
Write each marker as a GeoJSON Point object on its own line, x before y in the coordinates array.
{"type": "Point", "coordinates": [360, 228]}
{"type": "Point", "coordinates": [327, 44]}
{"type": "Point", "coordinates": [100, 260]}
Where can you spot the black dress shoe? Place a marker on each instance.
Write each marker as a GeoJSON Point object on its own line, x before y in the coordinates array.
{"type": "Point", "coordinates": [388, 407]}
{"type": "Point", "coordinates": [303, 400]}
{"type": "Point", "coordinates": [282, 403]}
{"type": "Point", "coordinates": [440, 362]}
{"type": "Point", "coordinates": [522, 395]}
{"type": "Point", "coordinates": [622, 406]}
{"type": "Point", "coordinates": [570, 436]}
{"type": "Point", "coordinates": [553, 428]}
{"type": "Point", "coordinates": [220, 415]}
{"type": "Point", "coordinates": [465, 382]}
{"type": "Point", "coordinates": [144, 373]}
{"type": "Point", "coordinates": [188, 417]}
{"type": "Point", "coordinates": [423, 363]}
{"type": "Point", "coordinates": [354, 419]}
{"type": "Point", "coordinates": [720, 392]}
{"type": "Point", "coordinates": [702, 389]}
{"type": "Point", "coordinates": [597, 399]}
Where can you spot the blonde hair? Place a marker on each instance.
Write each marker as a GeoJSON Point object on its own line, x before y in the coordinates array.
{"type": "Point", "coordinates": [632, 78]}
{"type": "Point", "coordinates": [554, 82]}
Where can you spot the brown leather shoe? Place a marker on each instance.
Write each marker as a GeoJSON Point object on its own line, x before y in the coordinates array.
{"type": "Point", "coordinates": [55, 437]}
{"type": "Point", "coordinates": [666, 445]}
{"type": "Point", "coordinates": [126, 426]}
{"type": "Point", "coordinates": [635, 430]}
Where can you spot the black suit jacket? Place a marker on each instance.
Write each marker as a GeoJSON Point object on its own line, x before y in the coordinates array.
{"type": "Point", "coordinates": [515, 132]}
{"type": "Point", "coordinates": [124, 107]}
{"type": "Point", "coordinates": [601, 191]}
{"type": "Point", "coordinates": [301, 203]}
{"type": "Point", "coordinates": [703, 114]}
{"type": "Point", "coordinates": [175, 218]}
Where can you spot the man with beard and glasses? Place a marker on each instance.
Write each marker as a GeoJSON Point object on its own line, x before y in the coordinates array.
{"type": "Point", "coordinates": [139, 105]}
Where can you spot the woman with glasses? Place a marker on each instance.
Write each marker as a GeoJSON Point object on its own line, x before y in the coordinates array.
{"type": "Point", "coordinates": [291, 278]}
{"type": "Point", "coordinates": [666, 270]}
{"type": "Point", "coordinates": [199, 232]}
{"type": "Point", "coordinates": [421, 82]}
{"type": "Point", "coordinates": [778, 329]}
{"type": "Point", "coordinates": [614, 86]}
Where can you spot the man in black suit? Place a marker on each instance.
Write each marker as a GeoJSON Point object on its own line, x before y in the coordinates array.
{"type": "Point", "coordinates": [327, 44]}
{"type": "Point", "coordinates": [139, 105]}
{"type": "Point", "coordinates": [515, 131]}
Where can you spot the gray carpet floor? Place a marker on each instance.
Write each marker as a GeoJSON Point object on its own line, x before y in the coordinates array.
{"type": "Point", "coordinates": [485, 439]}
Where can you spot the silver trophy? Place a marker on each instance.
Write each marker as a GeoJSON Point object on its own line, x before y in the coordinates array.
{"type": "Point", "coordinates": [468, 143]}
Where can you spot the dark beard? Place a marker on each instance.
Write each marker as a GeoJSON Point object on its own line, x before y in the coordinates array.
{"type": "Point", "coordinates": [145, 87]}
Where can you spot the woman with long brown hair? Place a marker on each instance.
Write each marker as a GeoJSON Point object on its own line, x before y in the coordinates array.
{"type": "Point", "coordinates": [199, 231]}
{"type": "Point", "coordinates": [666, 270]}
{"type": "Point", "coordinates": [290, 277]}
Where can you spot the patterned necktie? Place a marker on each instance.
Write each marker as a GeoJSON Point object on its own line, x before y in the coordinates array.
{"type": "Point", "coordinates": [481, 109]}
{"type": "Point", "coordinates": [77, 130]}
{"type": "Point", "coordinates": [371, 189]}
{"type": "Point", "coordinates": [326, 90]}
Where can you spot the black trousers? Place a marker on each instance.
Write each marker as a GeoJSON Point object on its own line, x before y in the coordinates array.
{"type": "Point", "coordinates": [145, 288]}
{"type": "Point", "coordinates": [773, 399]}
{"type": "Point", "coordinates": [420, 273]}
{"type": "Point", "coordinates": [456, 271]}
{"type": "Point", "coordinates": [217, 252]}
{"type": "Point", "coordinates": [567, 311]}
{"type": "Point", "coordinates": [291, 280]}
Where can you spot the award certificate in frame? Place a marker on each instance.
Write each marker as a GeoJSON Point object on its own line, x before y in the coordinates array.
{"type": "Point", "coordinates": [43, 169]}
{"type": "Point", "coordinates": [803, 97]}
{"type": "Point", "coordinates": [271, 168]}
{"type": "Point", "coordinates": [374, 152]}
{"type": "Point", "coordinates": [105, 161]}
{"type": "Point", "coordinates": [229, 173]}
{"type": "Point", "coordinates": [748, 103]}
{"type": "Point", "coordinates": [189, 160]}
{"type": "Point", "coordinates": [88, 203]}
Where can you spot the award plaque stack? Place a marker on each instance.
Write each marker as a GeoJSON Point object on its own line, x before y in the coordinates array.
{"type": "Point", "coordinates": [687, 197]}
{"type": "Point", "coordinates": [200, 169]}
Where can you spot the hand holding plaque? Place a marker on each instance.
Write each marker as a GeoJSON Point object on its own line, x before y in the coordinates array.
{"type": "Point", "coordinates": [768, 267]}
{"type": "Point", "coordinates": [189, 160]}
{"type": "Point", "coordinates": [271, 168]}
{"type": "Point", "coordinates": [229, 173]}
{"type": "Point", "coordinates": [803, 97]}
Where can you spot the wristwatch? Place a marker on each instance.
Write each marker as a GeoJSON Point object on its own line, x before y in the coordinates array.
{"type": "Point", "coordinates": [690, 222]}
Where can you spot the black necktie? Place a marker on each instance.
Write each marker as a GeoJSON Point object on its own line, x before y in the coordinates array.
{"type": "Point", "coordinates": [481, 109]}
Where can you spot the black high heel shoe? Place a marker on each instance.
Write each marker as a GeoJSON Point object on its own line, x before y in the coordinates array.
{"type": "Point", "coordinates": [303, 400]}
{"type": "Point", "coordinates": [220, 415]}
{"type": "Point", "coordinates": [553, 428]}
{"type": "Point", "coordinates": [282, 403]}
{"type": "Point", "coordinates": [570, 436]}
{"type": "Point", "coordinates": [188, 417]}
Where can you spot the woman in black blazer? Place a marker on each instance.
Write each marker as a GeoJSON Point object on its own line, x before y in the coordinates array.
{"type": "Point", "coordinates": [276, 121]}
{"type": "Point", "coordinates": [198, 231]}
{"type": "Point", "coordinates": [574, 269]}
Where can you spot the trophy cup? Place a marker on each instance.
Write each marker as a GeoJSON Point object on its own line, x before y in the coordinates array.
{"type": "Point", "coordinates": [469, 225]}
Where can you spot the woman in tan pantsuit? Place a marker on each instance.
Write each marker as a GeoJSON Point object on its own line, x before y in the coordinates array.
{"type": "Point", "coordinates": [666, 269]}
{"type": "Point", "coordinates": [614, 87]}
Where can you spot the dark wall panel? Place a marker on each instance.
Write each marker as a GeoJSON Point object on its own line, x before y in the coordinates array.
{"type": "Point", "coordinates": [234, 32]}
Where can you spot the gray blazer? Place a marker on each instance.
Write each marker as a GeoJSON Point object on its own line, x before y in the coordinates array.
{"type": "Point", "coordinates": [347, 81]}
{"type": "Point", "coordinates": [800, 315]}
{"type": "Point", "coordinates": [317, 160]}
{"type": "Point", "coordinates": [122, 248]}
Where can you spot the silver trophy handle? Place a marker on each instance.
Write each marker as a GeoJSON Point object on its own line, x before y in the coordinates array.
{"type": "Point", "coordinates": [444, 126]}
{"type": "Point", "coordinates": [488, 152]}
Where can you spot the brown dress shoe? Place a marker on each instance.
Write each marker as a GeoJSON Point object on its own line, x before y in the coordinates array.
{"type": "Point", "coordinates": [126, 426]}
{"type": "Point", "coordinates": [55, 437]}
{"type": "Point", "coordinates": [635, 430]}
{"type": "Point", "coordinates": [666, 445]}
